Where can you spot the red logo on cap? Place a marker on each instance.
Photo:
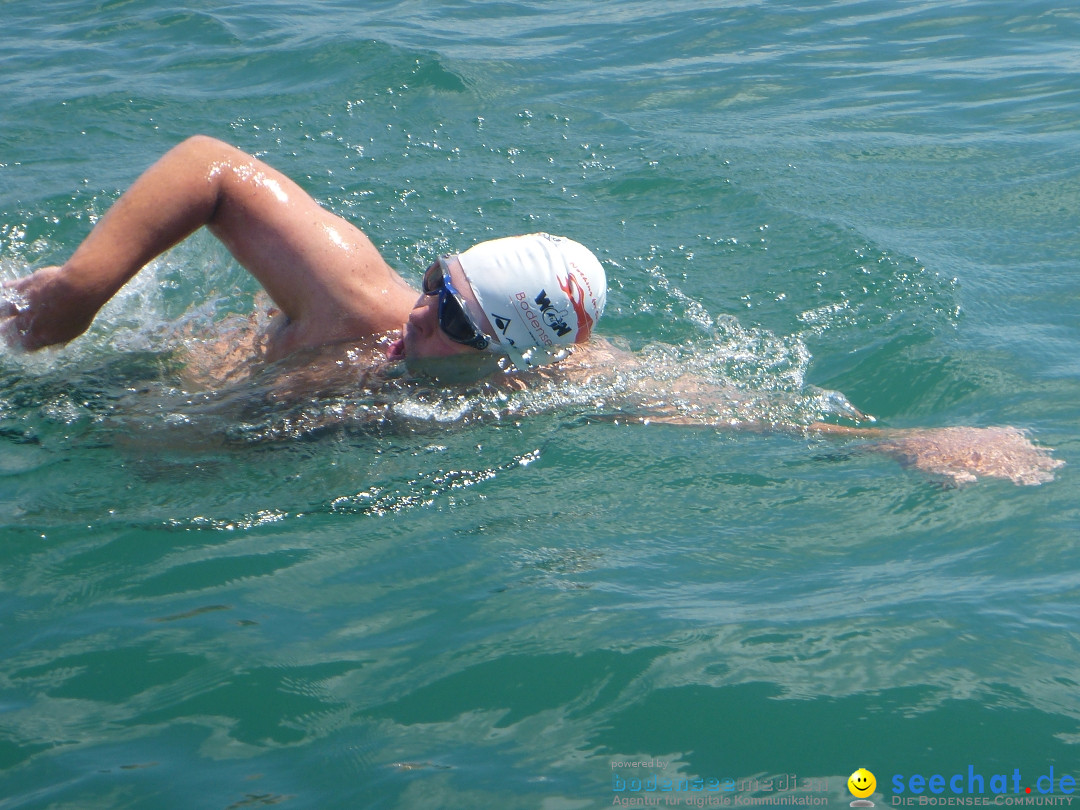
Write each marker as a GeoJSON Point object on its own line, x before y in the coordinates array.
{"type": "Point", "coordinates": [576, 294]}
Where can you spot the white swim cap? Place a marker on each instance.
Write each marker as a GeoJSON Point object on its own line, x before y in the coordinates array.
{"type": "Point", "coordinates": [537, 290]}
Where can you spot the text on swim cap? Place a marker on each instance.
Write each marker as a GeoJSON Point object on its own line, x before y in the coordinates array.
{"type": "Point", "coordinates": [553, 317]}
{"type": "Point", "coordinates": [532, 319]}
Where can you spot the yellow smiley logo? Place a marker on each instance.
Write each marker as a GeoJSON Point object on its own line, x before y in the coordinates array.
{"type": "Point", "coordinates": [861, 783]}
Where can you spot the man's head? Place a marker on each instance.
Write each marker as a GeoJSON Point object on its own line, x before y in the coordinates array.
{"type": "Point", "coordinates": [537, 291]}
{"type": "Point", "coordinates": [512, 296]}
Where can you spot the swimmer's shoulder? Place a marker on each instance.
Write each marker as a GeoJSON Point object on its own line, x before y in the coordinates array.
{"type": "Point", "coordinates": [599, 353]}
{"type": "Point", "coordinates": [597, 359]}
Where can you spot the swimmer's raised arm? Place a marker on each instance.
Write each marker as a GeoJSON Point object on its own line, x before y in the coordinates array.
{"type": "Point", "coordinates": [321, 271]}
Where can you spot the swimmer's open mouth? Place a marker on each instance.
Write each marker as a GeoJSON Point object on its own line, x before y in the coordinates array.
{"type": "Point", "coordinates": [395, 349]}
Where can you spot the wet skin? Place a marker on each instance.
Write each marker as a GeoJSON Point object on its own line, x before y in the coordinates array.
{"type": "Point", "coordinates": [422, 338]}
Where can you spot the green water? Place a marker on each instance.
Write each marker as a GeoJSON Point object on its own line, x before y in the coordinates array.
{"type": "Point", "coordinates": [209, 600]}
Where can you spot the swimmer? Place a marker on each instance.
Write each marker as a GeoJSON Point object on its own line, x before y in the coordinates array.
{"type": "Point", "coordinates": [515, 303]}
{"type": "Point", "coordinates": [324, 275]}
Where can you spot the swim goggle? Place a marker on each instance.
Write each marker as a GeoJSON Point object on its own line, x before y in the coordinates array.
{"type": "Point", "coordinates": [454, 319]}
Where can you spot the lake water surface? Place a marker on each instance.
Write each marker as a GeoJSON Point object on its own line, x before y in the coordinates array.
{"type": "Point", "coordinates": [208, 601]}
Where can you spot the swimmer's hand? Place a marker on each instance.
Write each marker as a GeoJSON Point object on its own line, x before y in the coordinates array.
{"type": "Point", "coordinates": [43, 309]}
{"type": "Point", "coordinates": [964, 454]}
